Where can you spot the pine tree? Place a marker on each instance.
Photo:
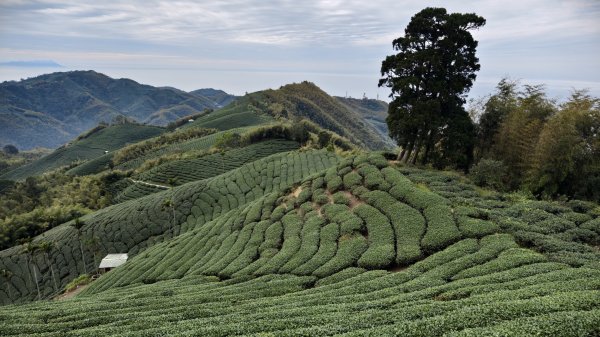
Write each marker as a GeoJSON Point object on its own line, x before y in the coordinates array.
{"type": "Point", "coordinates": [429, 77]}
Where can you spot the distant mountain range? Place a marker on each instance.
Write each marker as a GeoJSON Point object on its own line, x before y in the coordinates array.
{"type": "Point", "coordinates": [372, 110]}
{"type": "Point", "coordinates": [49, 110]}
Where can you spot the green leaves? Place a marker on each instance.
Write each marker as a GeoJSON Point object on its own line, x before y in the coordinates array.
{"type": "Point", "coordinates": [434, 68]}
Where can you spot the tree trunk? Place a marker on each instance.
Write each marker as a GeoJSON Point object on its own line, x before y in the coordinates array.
{"type": "Point", "coordinates": [36, 282]}
{"type": "Point", "coordinates": [173, 221]}
{"type": "Point", "coordinates": [8, 289]}
{"type": "Point", "coordinates": [51, 272]}
{"type": "Point", "coordinates": [428, 147]}
{"type": "Point", "coordinates": [415, 154]}
{"type": "Point", "coordinates": [401, 153]}
{"type": "Point", "coordinates": [82, 256]}
{"type": "Point", "coordinates": [408, 152]}
{"type": "Point", "coordinates": [95, 260]}
{"type": "Point", "coordinates": [29, 269]}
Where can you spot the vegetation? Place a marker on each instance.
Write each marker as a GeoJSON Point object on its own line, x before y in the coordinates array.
{"type": "Point", "coordinates": [141, 148]}
{"type": "Point", "coordinates": [433, 70]}
{"type": "Point", "coordinates": [38, 204]}
{"type": "Point", "coordinates": [92, 146]}
{"type": "Point", "coordinates": [79, 281]}
{"type": "Point", "coordinates": [418, 251]}
{"type": "Point", "coordinates": [527, 141]}
{"type": "Point", "coordinates": [9, 160]}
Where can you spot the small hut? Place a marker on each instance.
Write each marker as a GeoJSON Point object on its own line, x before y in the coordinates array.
{"type": "Point", "coordinates": [112, 261]}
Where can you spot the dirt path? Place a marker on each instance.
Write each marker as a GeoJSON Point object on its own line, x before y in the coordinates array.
{"type": "Point", "coordinates": [71, 294]}
{"type": "Point", "coordinates": [150, 184]}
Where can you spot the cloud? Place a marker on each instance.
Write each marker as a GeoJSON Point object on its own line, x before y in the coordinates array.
{"type": "Point", "coordinates": [285, 22]}
{"type": "Point", "coordinates": [31, 64]}
{"type": "Point", "coordinates": [525, 38]}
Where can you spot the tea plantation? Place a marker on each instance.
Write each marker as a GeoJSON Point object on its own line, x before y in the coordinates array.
{"type": "Point", "coordinates": [309, 243]}
{"type": "Point", "coordinates": [88, 147]}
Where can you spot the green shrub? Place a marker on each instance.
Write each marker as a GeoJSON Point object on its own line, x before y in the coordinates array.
{"type": "Point", "coordinates": [81, 280]}
{"type": "Point", "coordinates": [350, 248]}
{"type": "Point", "coordinates": [381, 251]}
{"type": "Point", "coordinates": [408, 224]}
{"type": "Point", "coordinates": [351, 180]}
{"type": "Point", "coordinates": [341, 198]}
{"type": "Point", "coordinates": [327, 249]}
{"type": "Point", "coordinates": [441, 229]}
{"type": "Point", "coordinates": [340, 276]}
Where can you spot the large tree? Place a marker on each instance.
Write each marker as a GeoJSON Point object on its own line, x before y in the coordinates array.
{"type": "Point", "coordinates": [429, 77]}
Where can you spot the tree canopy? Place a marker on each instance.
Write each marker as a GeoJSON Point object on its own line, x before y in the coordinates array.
{"type": "Point", "coordinates": [429, 77]}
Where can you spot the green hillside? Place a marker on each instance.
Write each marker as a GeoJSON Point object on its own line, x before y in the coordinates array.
{"type": "Point", "coordinates": [195, 144]}
{"type": "Point", "coordinates": [148, 221]}
{"type": "Point", "coordinates": [303, 244]}
{"type": "Point", "coordinates": [187, 170]}
{"type": "Point", "coordinates": [297, 101]}
{"type": "Point", "coordinates": [91, 147]}
{"type": "Point", "coordinates": [372, 110]}
{"type": "Point", "coordinates": [306, 100]}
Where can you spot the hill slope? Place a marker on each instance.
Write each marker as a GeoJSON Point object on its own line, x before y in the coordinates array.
{"type": "Point", "coordinates": [57, 107]}
{"type": "Point", "coordinates": [272, 234]}
{"type": "Point", "coordinates": [295, 101]}
{"type": "Point", "coordinates": [373, 111]}
{"type": "Point", "coordinates": [137, 224]}
{"type": "Point", "coordinates": [90, 147]}
{"type": "Point", "coordinates": [360, 248]}
{"type": "Point", "coordinates": [218, 96]}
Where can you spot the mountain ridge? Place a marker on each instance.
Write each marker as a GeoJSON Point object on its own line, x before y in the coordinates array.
{"type": "Point", "coordinates": [58, 106]}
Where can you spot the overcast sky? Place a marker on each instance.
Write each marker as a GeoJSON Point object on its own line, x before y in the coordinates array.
{"type": "Point", "coordinates": [250, 45]}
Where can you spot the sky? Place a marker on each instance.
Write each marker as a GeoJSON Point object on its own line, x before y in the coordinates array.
{"type": "Point", "coordinates": [248, 45]}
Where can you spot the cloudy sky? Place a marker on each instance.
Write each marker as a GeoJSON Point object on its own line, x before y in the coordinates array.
{"type": "Point", "coordinates": [249, 45]}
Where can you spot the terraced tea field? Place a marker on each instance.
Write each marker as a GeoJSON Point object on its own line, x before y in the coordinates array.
{"type": "Point", "coordinates": [235, 115]}
{"type": "Point", "coordinates": [188, 170]}
{"type": "Point", "coordinates": [305, 244]}
{"type": "Point", "coordinates": [88, 148]}
{"type": "Point", "coordinates": [196, 144]}
{"type": "Point", "coordinates": [137, 224]}
{"type": "Point", "coordinates": [183, 171]}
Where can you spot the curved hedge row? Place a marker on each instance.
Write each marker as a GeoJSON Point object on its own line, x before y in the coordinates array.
{"type": "Point", "coordinates": [541, 298]}
{"type": "Point", "coordinates": [135, 225]}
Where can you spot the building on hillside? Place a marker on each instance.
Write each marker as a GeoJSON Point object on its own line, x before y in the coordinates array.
{"type": "Point", "coordinates": [111, 261]}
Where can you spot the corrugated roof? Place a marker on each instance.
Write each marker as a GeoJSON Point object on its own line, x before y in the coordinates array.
{"type": "Point", "coordinates": [113, 260]}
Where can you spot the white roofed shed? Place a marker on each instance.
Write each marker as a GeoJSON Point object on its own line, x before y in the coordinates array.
{"type": "Point", "coordinates": [113, 261]}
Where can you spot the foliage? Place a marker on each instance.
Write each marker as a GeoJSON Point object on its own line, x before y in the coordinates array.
{"type": "Point", "coordinates": [527, 141]}
{"type": "Point", "coordinates": [81, 280]}
{"type": "Point", "coordinates": [31, 207]}
{"type": "Point", "coordinates": [256, 251]}
{"type": "Point", "coordinates": [567, 155]}
{"type": "Point", "coordinates": [10, 150]}
{"type": "Point", "coordinates": [228, 140]}
{"type": "Point", "coordinates": [489, 173]}
{"type": "Point", "coordinates": [13, 161]}
{"type": "Point", "coordinates": [433, 70]}
{"type": "Point", "coordinates": [139, 149]}
{"type": "Point", "coordinates": [186, 119]}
